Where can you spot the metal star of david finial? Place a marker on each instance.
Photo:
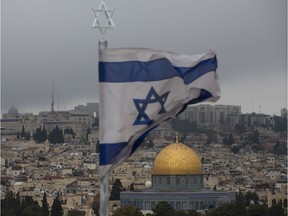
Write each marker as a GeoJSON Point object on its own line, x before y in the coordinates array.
{"type": "Point", "coordinates": [108, 13]}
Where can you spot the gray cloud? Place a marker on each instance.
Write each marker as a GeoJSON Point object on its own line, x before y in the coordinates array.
{"type": "Point", "coordinates": [52, 40]}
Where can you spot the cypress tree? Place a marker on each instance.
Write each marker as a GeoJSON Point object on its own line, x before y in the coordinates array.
{"type": "Point", "coordinates": [37, 136]}
{"type": "Point", "coordinates": [116, 189]}
{"type": "Point", "coordinates": [56, 135]}
{"type": "Point", "coordinates": [61, 137]}
{"type": "Point", "coordinates": [56, 209]}
{"type": "Point", "coordinates": [23, 134]}
{"type": "Point", "coordinates": [44, 135]}
{"type": "Point", "coordinates": [45, 205]}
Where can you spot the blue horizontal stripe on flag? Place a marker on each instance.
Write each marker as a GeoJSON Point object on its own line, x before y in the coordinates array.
{"type": "Point", "coordinates": [110, 151]}
{"type": "Point", "coordinates": [160, 69]}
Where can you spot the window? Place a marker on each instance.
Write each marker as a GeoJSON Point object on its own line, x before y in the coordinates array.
{"type": "Point", "coordinates": [183, 180]}
{"type": "Point", "coordinates": [196, 205]}
{"type": "Point", "coordinates": [192, 205]}
{"type": "Point", "coordinates": [172, 180]}
{"type": "Point", "coordinates": [157, 180]}
{"type": "Point", "coordinates": [147, 206]}
{"type": "Point", "coordinates": [202, 205]}
{"type": "Point", "coordinates": [184, 206]}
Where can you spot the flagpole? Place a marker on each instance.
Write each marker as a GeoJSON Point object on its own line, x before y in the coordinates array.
{"type": "Point", "coordinates": [104, 179]}
{"type": "Point", "coordinates": [103, 44]}
{"type": "Point", "coordinates": [104, 195]}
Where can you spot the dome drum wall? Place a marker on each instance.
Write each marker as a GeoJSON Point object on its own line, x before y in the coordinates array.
{"type": "Point", "coordinates": [178, 182]}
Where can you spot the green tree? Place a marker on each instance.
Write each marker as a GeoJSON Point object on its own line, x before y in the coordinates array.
{"type": "Point", "coordinates": [163, 208]}
{"type": "Point", "coordinates": [240, 199]}
{"type": "Point", "coordinates": [8, 211]}
{"type": "Point", "coordinates": [280, 124]}
{"type": "Point", "coordinates": [258, 210]}
{"type": "Point", "coordinates": [235, 149]}
{"type": "Point", "coordinates": [78, 173]}
{"type": "Point", "coordinates": [96, 205]}
{"type": "Point", "coordinates": [279, 148]}
{"type": "Point", "coordinates": [10, 205]}
{"type": "Point", "coordinates": [32, 210]}
{"type": "Point", "coordinates": [228, 140]}
{"type": "Point", "coordinates": [70, 131]}
{"type": "Point", "coordinates": [256, 137]}
{"type": "Point", "coordinates": [229, 210]}
{"type": "Point", "coordinates": [117, 187]}
{"type": "Point", "coordinates": [40, 135]}
{"type": "Point", "coordinates": [23, 133]}
{"type": "Point", "coordinates": [44, 134]}
{"type": "Point", "coordinates": [251, 196]}
{"type": "Point", "coordinates": [56, 135]}
{"type": "Point", "coordinates": [27, 201]}
{"type": "Point", "coordinates": [45, 205]}
{"type": "Point", "coordinates": [61, 136]}
{"type": "Point", "coordinates": [18, 199]}
{"type": "Point", "coordinates": [56, 209]}
{"type": "Point", "coordinates": [75, 212]}
{"type": "Point", "coordinates": [187, 213]}
{"type": "Point", "coordinates": [240, 126]}
{"type": "Point", "coordinates": [181, 213]}
{"type": "Point", "coordinates": [128, 210]}
{"type": "Point", "coordinates": [37, 135]}
{"type": "Point", "coordinates": [212, 138]}
{"type": "Point", "coordinates": [193, 213]}
{"type": "Point", "coordinates": [132, 187]}
{"type": "Point", "coordinates": [276, 210]}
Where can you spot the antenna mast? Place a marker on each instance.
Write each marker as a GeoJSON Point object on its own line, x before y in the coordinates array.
{"type": "Point", "coordinates": [52, 103]}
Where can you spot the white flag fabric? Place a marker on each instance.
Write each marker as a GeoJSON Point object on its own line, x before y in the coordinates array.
{"type": "Point", "coordinates": [139, 89]}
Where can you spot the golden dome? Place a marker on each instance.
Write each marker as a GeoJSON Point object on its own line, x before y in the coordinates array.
{"type": "Point", "coordinates": [177, 159]}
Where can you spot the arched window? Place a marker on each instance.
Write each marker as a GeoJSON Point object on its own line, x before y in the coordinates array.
{"type": "Point", "coordinates": [184, 206]}
{"type": "Point", "coordinates": [192, 205]}
{"type": "Point", "coordinates": [273, 202]}
{"type": "Point", "coordinates": [178, 206]}
{"type": "Point", "coordinates": [196, 205]}
{"type": "Point", "coordinates": [147, 206]}
{"type": "Point", "coordinates": [202, 206]}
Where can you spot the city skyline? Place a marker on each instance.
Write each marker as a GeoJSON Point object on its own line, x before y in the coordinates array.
{"type": "Point", "coordinates": [74, 107]}
{"type": "Point", "coordinates": [46, 41]}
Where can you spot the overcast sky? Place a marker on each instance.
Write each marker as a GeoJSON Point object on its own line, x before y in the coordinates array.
{"type": "Point", "coordinates": [46, 40]}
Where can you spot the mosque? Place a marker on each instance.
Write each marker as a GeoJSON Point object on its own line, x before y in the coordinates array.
{"type": "Point", "coordinates": [177, 177]}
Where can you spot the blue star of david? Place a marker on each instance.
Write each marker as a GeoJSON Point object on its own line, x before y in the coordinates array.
{"type": "Point", "coordinates": [141, 105]}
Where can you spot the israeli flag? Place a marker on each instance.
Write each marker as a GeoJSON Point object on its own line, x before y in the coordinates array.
{"type": "Point", "coordinates": [140, 88]}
